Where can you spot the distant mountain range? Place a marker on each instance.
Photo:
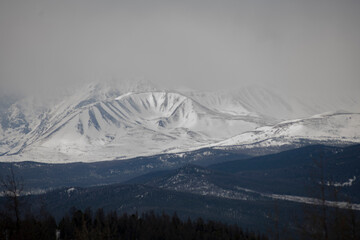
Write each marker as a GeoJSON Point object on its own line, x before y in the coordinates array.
{"type": "Point", "coordinates": [114, 121]}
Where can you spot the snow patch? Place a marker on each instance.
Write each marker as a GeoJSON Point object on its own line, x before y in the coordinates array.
{"type": "Point", "coordinates": [123, 96]}
{"type": "Point", "coordinates": [70, 190]}
{"type": "Point", "coordinates": [344, 184]}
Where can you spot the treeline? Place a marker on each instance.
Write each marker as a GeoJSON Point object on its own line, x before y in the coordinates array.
{"type": "Point", "coordinates": [86, 225]}
{"type": "Point", "coordinates": [15, 225]}
{"type": "Point", "coordinates": [30, 227]}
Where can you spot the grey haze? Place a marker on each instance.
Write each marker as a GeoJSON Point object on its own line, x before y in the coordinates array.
{"type": "Point", "coordinates": [303, 47]}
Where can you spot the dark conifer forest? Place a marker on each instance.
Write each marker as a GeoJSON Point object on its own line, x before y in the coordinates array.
{"type": "Point", "coordinates": [317, 200]}
{"type": "Point", "coordinates": [100, 225]}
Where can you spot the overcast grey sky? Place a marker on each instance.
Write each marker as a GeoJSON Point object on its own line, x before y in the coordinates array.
{"type": "Point", "coordinates": [297, 45]}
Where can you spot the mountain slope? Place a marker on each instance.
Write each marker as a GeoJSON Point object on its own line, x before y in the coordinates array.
{"type": "Point", "coordinates": [94, 127]}
{"type": "Point", "coordinates": [295, 171]}
{"type": "Point", "coordinates": [330, 128]}
{"type": "Point", "coordinates": [293, 175]}
{"type": "Point", "coordinates": [273, 105]}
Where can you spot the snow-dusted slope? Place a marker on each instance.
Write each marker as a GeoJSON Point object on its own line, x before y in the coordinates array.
{"type": "Point", "coordinates": [17, 120]}
{"type": "Point", "coordinates": [136, 124]}
{"type": "Point", "coordinates": [272, 105]}
{"type": "Point", "coordinates": [330, 127]}
{"type": "Point", "coordinates": [117, 121]}
{"type": "Point", "coordinates": [256, 101]}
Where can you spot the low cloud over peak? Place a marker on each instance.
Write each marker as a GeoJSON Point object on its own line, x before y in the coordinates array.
{"type": "Point", "coordinates": [306, 48]}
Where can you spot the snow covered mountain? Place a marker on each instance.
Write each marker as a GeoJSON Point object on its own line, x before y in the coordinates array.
{"type": "Point", "coordinates": [110, 121]}
{"type": "Point", "coordinates": [323, 128]}
{"type": "Point", "coordinates": [273, 105]}
{"type": "Point", "coordinates": [103, 122]}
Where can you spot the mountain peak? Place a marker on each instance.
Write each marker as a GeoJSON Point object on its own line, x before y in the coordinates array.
{"type": "Point", "coordinates": [114, 87]}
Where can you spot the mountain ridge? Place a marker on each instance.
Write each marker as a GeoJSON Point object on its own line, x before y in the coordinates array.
{"type": "Point", "coordinates": [109, 121]}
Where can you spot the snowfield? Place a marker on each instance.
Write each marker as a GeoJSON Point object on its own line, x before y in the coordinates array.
{"type": "Point", "coordinates": [329, 127]}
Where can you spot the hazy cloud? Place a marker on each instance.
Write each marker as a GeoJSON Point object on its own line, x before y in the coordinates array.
{"type": "Point", "coordinates": [297, 45]}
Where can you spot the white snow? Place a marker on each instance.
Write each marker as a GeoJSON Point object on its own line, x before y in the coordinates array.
{"type": "Point", "coordinates": [134, 124]}
{"type": "Point", "coordinates": [69, 190]}
{"type": "Point", "coordinates": [124, 95]}
{"type": "Point", "coordinates": [306, 200]}
{"type": "Point", "coordinates": [344, 184]}
{"type": "Point", "coordinates": [106, 122]}
{"type": "Point", "coordinates": [342, 127]}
